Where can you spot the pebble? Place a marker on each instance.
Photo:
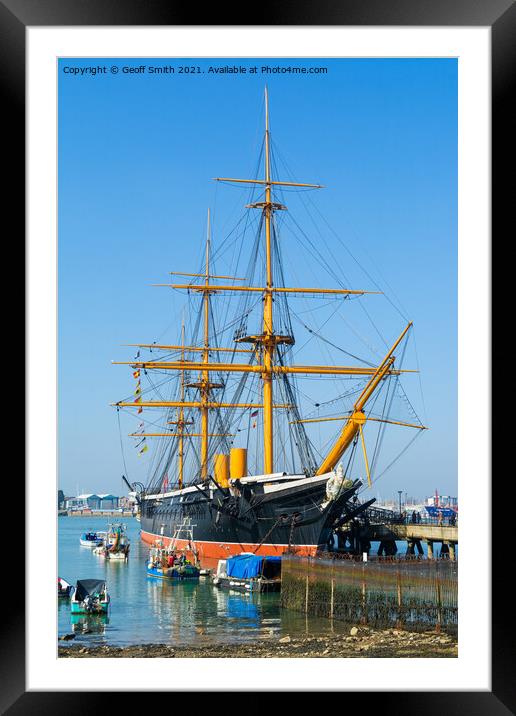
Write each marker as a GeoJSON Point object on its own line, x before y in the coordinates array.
{"type": "Point", "coordinates": [285, 640]}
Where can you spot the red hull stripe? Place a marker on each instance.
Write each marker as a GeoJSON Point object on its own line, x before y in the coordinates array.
{"type": "Point", "coordinates": [221, 550]}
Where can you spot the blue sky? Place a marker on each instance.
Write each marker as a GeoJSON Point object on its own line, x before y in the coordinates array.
{"type": "Point", "coordinates": [137, 154]}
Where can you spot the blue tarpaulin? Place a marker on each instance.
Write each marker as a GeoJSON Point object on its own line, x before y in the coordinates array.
{"type": "Point", "coordinates": [247, 566]}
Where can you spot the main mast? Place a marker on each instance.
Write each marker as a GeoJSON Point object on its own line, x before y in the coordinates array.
{"type": "Point", "coordinates": [268, 345]}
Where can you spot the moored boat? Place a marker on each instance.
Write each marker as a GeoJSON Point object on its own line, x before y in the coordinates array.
{"type": "Point", "coordinates": [92, 539]}
{"type": "Point", "coordinates": [90, 596]}
{"type": "Point", "coordinates": [248, 572]}
{"type": "Point", "coordinates": [64, 588]}
{"type": "Point", "coordinates": [166, 563]}
{"type": "Point", "coordinates": [116, 544]}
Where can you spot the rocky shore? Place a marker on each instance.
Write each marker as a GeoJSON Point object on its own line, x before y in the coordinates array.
{"type": "Point", "coordinates": [360, 642]}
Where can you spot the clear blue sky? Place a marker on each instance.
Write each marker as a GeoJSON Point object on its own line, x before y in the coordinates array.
{"type": "Point", "coordinates": [137, 154]}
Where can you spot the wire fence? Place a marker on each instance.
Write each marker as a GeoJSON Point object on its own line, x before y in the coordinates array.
{"type": "Point", "coordinates": [403, 593]}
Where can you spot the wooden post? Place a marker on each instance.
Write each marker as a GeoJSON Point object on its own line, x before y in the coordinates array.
{"type": "Point", "coordinates": [306, 594]}
{"type": "Point", "coordinates": [399, 623]}
{"type": "Point", "coordinates": [439, 603]}
{"type": "Point", "coordinates": [331, 598]}
{"type": "Point", "coordinates": [364, 601]}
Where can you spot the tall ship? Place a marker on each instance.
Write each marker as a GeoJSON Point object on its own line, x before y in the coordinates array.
{"type": "Point", "coordinates": [222, 412]}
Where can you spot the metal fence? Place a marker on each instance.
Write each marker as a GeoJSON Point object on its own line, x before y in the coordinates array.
{"type": "Point", "coordinates": [417, 593]}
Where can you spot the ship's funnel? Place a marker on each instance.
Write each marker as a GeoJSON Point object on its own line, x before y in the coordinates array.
{"type": "Point", "coordinates": [221, 469]}
{"type": "Point", "coordinates": [238, 462]}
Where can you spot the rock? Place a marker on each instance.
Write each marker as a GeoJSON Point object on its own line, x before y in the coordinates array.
{"type": "Point", "coordinates": [326, 651]}
{"type": "Point", "coordinates": [353, 631]}
{"type": "Point", "coordinates": [67, 637]}
{"type": "Point", "coordinates": [285, 640]}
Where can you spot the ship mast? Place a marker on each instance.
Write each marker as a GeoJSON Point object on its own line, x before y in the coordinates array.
{"type": "Point", "coordinates": [204, 385]}
{"type": "Point", "coordinates": [268, 340]}
{"type": "Point", "coordinates": [181, 416]}
{"type": "Point", "coordinates": [205, 376]}
{"type": "Point", "coordinates": [268, 333]}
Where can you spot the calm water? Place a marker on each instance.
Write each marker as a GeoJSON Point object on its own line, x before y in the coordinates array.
{"type": "Point", "coordinates": [144, 610]}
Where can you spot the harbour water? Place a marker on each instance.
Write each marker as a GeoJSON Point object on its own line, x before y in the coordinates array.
{"type": "Point", "coordinates": [145, 610]}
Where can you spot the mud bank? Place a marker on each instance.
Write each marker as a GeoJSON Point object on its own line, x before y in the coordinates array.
{"type": "Point", "coordinates": [359, 643]}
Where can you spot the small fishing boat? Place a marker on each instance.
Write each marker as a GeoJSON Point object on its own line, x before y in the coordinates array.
{"type": "Point", "coordinates": [249, 572]}
{"type": "Point", "coordinates": [90, 596]}
{"type": "Point", "coordinates": [116, 544]}
{"type": "Point", "coordinates": [92, 539]}
{"type": "Point", "coordinates": [166, 563]}
{"type": "Point", "coordinates": [64, 588]}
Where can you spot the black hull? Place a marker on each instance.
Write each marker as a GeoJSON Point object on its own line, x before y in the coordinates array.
{"type": "Point", "coordinates": [292, 515]}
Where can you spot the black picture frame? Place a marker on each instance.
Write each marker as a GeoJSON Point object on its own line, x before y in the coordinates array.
{"type": "Point", "coordinates": [500, 16]}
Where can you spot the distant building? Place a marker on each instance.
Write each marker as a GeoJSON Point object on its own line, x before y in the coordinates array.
{"type": "Point", "coordinates": [83, 502]}
{"type": "Point", "coordinates": [108, 502]}
{"type": "Point", "coordinates": [91, 501]}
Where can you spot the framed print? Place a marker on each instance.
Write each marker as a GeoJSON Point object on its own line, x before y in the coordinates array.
{"type": "Point", "coordinates": [252, 393]}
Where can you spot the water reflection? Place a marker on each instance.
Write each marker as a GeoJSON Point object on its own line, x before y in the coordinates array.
{"type": "Point", "coordinates": [243, 612]}
{"type": "Point", "coordinates": [89, 623]}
